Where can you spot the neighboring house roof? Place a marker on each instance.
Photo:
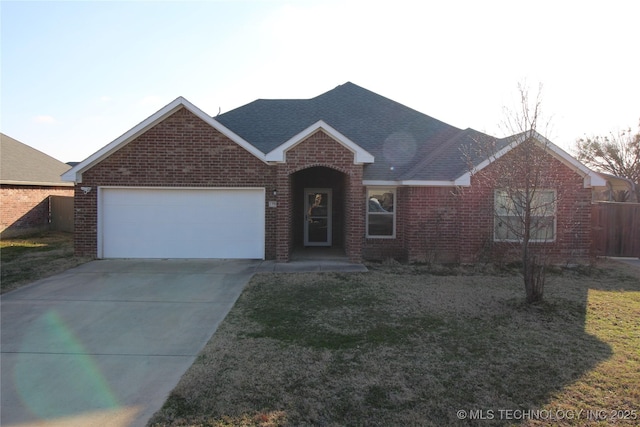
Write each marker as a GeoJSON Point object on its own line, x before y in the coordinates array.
{"type": "Point", "coordinates": [397, 144]}
{"type": "Point", "coordinates": [615, 184]}
{"type": "Point", "coordinates": [24, 165]}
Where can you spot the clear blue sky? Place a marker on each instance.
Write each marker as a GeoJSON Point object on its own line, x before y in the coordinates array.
{"type": "Point", "coordinates": [76, 75]}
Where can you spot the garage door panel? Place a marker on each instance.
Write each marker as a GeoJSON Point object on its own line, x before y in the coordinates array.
{"type": "Point", "coordinates": [182, 223]}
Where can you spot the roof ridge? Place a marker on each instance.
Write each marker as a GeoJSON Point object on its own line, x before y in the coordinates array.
{"type": "Point", "coordinates": [352, 85]}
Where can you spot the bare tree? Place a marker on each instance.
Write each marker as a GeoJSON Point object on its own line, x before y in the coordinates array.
{"type": "Point", "coordinates": [525, 188]}
{"type": "Point", "coordinates": [617, 154]}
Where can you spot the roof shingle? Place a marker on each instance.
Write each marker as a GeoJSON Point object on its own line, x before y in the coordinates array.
{"type": "Point", "coordinates": [21, 164]}
{"type": "Point", "coordinates": [406, 144]}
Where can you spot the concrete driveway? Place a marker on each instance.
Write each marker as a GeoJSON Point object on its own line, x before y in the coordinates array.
{"type": "Point", "coordinates": [634, 262]}
{"type": "Point", "coordinates": [103, 344]}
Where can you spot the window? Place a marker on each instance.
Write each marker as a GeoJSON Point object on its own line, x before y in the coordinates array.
{"type": "Point", "coordinates": [510, 214]}
{"type": "Point", "coordinates": [381, 218]}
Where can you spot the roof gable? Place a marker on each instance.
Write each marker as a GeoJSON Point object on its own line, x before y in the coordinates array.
{"type": "Point", "coordinates": [396, 144]}
{"type": "Point", "coordinates": [75, 173]}
{"type": "Point", "coordinates": [360, 155]}
{"type": "Point", "coordinates": [24, 165]}
{"type": "Point", "coordinates": [590, 178]}
{"type": "Point", "coordinates": [395, 135]}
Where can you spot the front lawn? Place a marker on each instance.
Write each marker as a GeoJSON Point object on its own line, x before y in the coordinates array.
{"type": "Point", "coordinates": [29, 258]}
{"type": "Point", "coordinates": [418, 345]}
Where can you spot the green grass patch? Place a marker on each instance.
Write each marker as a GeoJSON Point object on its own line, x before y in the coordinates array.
{"type": "Point", "coordinates": [27, 259]}
{"type": "Point", "coordinates": [13, 249]}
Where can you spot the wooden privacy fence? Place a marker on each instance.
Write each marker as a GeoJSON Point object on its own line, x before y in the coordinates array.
{"type": "Point", "coordinates": [61, 213]}
{"type": "Point", "coordinates": [616, 229]}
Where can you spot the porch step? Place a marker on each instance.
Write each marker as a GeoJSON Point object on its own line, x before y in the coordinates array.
{"type": "Point", "coordinates": [319, 253]}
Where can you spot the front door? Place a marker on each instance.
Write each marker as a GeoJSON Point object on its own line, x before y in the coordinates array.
{"type": "Point", "coordinates": [317, 217]}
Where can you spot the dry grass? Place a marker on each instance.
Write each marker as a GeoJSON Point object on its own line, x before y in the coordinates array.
{"type": "Point", "coordinates": [27, 259]}
{"type": "Point", "coordinates": [413, 345]}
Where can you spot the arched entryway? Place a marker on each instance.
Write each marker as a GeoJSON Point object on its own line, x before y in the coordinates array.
{"type": "Point", "coordinates": [318, 211]}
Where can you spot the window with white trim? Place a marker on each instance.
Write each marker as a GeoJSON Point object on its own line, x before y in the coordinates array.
{"type": "Point", "coordinates": [510, 209]}
{"type": "Point", "coordinates": [381, 215]}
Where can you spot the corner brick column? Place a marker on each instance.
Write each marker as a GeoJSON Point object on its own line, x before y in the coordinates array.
{"type": "Point", "coordinates": [354, 215]}
{"type": "Point", "coordinates": [283, 215]}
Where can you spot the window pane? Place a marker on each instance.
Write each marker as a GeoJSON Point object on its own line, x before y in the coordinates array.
{"type": "Point", "coordinates": [510, 208]}
{"type": "Point", "coordinates": [542, 228]}
{"type": "Point", "coordinates": [387, 201]}
{"type": "Point", "coordinates": [375, 205]}
{"type": "Point", "coordinates": [380, 225]}
{"type": "Point", "coordinates": [380, 201]}
{"type": "Point", "coordinates": [502, 207]}
{"type": "Point", "coordinates": [380, 212]}
{"type": "Point", "coordinates": [543, 203]}
{"type": "Point", "coordinates": [508, 228]}
{"type": "Point", "coordinates": [506, 204]}
{"type": "Point", "coordinates": [317, 204]}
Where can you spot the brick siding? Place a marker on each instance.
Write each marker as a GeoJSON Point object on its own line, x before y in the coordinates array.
{"type": "Point", "coordinates": [25, 208]}
{"type": "Point", "coordinates": [441, 224]}
{"type": "Point", "coordinates": [573, 214]}
{"type": "Point", "coordinates": [181, 151]}
{"type": "Point", "coordinates": [449, 224]}
{"type": "Point", "coordinates": [320, 150]}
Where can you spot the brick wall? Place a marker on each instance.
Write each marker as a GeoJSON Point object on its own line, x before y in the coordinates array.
{"type": "Point", "coordinates": [383, 248]}
{"type": "Point", "coordinates": [573, 230]}
{"type": "Point", "coordinates": [448, 224]}
{"type": "Point", "coordinates": [181, 151]}
{"type": "Point", "coordinates": [432, 231]}
{"type": "Point", "coordinates": [441, 224]}
{"type": "Point", "coordinates": [25, 208]}
{"type": "Point", "coordinates": [321, 150]}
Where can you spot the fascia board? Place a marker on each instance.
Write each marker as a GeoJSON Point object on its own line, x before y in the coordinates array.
{"type": "Point", "coordinates": [415, 183]}
{"type": "Point", "coordinates": [590, 178]}
{"type": "Point", "coordinates": [278, 154]}
{"type": "Point", "coordinates": [75, 173]}
{"type": "Point", "coordinates": [493, 157]}
{"type": "Point", "coordinates": [380, 183]}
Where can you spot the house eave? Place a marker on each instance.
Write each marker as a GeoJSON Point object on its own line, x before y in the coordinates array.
{"type": "Point", "coordinates": [75, 173]}
{"type": "Point", "coordinates": [279, 154]}
{"type": "Point", "coordinates": [590, 178]}
{"type": "Point", "coordinates": [458, 182]}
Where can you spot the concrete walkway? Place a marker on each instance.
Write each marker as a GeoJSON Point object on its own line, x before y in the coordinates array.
{"type": "Point", "coordinates": [306, 266]}
{"type": "Point", "coordinates": [104, 344]}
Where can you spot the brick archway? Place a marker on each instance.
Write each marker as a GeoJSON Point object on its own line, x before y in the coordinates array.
{"type": "Point", "coordinates": [305, 164]}
{"type": "Point", "coordinates": [318, 177]}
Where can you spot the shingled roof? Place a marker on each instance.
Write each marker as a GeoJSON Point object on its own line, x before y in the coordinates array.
{"type": "Point", "coordinates": [397, 145]}
{"type": "Point", "coordinates": [24, 165]}
{"type": "Point", "coordinates": [406, 144]}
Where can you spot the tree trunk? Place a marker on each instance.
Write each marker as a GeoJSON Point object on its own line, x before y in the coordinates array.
{"type": "Point", "coordinates": [534, 278]}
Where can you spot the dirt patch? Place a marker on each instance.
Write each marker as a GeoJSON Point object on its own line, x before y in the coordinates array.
{"type": "Point", "coordinates": [27, 259]}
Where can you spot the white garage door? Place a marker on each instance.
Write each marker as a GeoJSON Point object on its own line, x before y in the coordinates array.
{"type": "Point", "coordinates": [181, 223]}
